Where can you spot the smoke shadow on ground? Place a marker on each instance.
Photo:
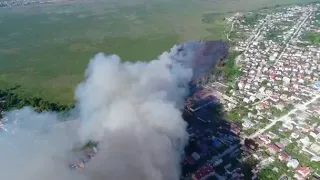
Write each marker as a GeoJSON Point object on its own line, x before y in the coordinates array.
{"type": "Point", "coordinates": [215, 143]}
{"type": "Point", "coordinates": [215, 148]}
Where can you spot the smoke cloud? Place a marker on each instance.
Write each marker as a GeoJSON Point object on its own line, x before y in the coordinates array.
{"type": "Point", "coordinates": [32, 149]}
{"type": "Point", "coordinates": [132, 109]}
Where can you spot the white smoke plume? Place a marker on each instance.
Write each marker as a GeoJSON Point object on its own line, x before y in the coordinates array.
{"type": "Point", "coordinates": [31, 149]}
{"type": "Point", "coordinates": [132, 109]}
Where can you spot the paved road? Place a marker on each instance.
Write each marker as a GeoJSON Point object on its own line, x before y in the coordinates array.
{"type": "Point", "coordinates": [293, 35]}
{"type": "Point", "coordinates": [306, 150]}
{"type": "Point", "coordinates": [220, 94]}
{"type": "Point", "coordinates": [280, 56]}
{"type": "Point", "coordinates": [256, 36]}
{"type": "Point", "coordinates": [229, 150]}
{"type": "Point", "coordinates": [232, 26]}
{"type": "Point", "coordinates": [284, 118]}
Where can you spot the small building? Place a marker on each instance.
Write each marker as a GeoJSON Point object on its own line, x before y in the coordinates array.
{"type": "Point", "coordinates": [305, 141]}
{"type": "Point", "coordinates": [284, 156]}
{"type": "Point", "coordinates": [195, 156]}
{"type": "Point", "coordinates": [216, 143]}
{"type": "Point", "coordinates": [235, 129]}
{"type": "Point", "coordinates": [284, 142]}
{"type": "Point", "coordinates": [258, 155]}
{"type": "Point", "coordinates": [273, 149]}
{"type": "Point", "coordinates": [247, 124]}
{"type": "Point", "coordinates": [294, 163]}
{"type": "Point", "coordinates": [203, 173]}
{"type": "Point", "coordinates": [315, 158]}
{"type": "Point", "coordinates": [232, 169]}
{"type": "Point", "coordinates": [295, 134]}
{"type": "Point", "coordinates": [265, 139]}
{"type": "Point", "coordinates": [315, 147]}
{"type": "Point", "coordinates": [302, 173]}
{"type": "Point", "coordinates": [271, 135]}
{"type": "Point", "coordinates": [288, 126]}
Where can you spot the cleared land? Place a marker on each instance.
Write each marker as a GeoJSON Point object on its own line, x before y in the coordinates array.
{"type": "Point", "coordinates": [45, 49]}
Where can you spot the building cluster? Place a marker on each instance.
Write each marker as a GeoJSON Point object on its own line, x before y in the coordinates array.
{"type": "Point", "coordinates": [212, 154]}
{"type": "Point", "coordinates": [276, 100]}
{"type": "Point", "coordinates": [279, 91]}
{"type": "Point", "coordinates": [277, 73]}
{"type": "Point", "coordinates": [214, 145]}
{"type": "Point", "coordinates": [294, 142]}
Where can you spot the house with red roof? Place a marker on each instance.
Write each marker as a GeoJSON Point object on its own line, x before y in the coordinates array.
{"type": "Point", "coordinates": [272, 75]}
{"type": "Point", "coordinates": [275, 98]}
{"type": "Point", "coordinates": [235, 130]}
{"type": "Point", "coordinates": [306, 128]}
{"type": "Point", "coordinates": [280, 145]}
{"type": "Point", "coordinates": [273, 149]}
{"type": "Point", "coordinates": [203, 173]}
{"type": "Point", "coordinates": [265, 139]}
{"type": "Point", "coordinates": [284, 156]}
{"type": "Point", "coordinates": [300, 75]}
{"type": "Point", "coordinates": [302, 173]}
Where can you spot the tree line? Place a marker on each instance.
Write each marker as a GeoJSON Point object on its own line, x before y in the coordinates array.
{"type": "Point", "coordinates": [10, 100]}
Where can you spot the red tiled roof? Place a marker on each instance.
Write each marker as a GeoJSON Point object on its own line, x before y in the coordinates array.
{"type": "Point", "coordinates": [283, 156]}
{"type": "Point", "coordinates": [203, 172]}
{"type": "Point", "coordinates": [273, 148]}
{"type": "Point", "coordinates": [234, 125]}
{"type": "Point", "coordinates": [235, 130]}
{"type": "Point", "coordinates": [303, 171]}
{"type": "Point", "coordinates": [280, 145]}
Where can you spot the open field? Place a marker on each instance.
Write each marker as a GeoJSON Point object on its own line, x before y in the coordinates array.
{"type": "Point", "coordinates": [45, 49]}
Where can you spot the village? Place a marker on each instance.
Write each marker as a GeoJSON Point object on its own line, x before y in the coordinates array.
{"type": "Point", "coordinates": [271, 128]}
{"type": "Point", "coordinates": [276, 101]}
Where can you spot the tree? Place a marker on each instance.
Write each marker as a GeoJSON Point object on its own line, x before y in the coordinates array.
{"type": "Point", "coordinates": [254, 111]}
{"type": "Point", "coordinates": [290, 106]}
{"type": "Point", "coordinates": [237, 113]}
{"type": "Point", "coordinates": [264, 83]}
{"type": "Point", "coordinates": [292, 116]}
{"type": "Point", "coordinates": [12, 99]}
{"type": "Point", "coordinates": [228, 90]}
{"type": "Point", "coordinates": [217, 110]}
{"type": "Point", "coordinates": [230, 70]}
{"type": "Point", "coordinates": [276, 112]}
{"type": "Point", "coordinates": [262, 46]}
{"type": "Point", "coordinates": [268, 173]}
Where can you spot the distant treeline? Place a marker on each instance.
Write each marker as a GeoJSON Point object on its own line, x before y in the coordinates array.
{"type": "Point", "coordinates": [10, 100]}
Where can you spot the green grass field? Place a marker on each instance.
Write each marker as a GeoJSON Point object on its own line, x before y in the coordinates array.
{"type": "Point", "coordinates": [46, 49]}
